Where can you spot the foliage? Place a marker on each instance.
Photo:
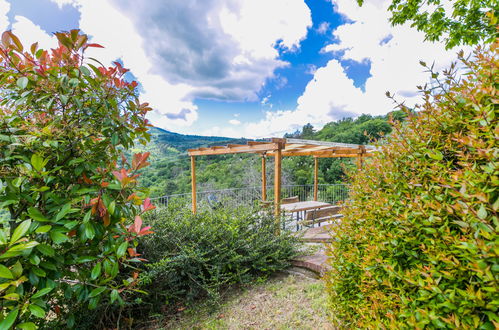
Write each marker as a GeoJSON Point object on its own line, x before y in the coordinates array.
{"type": "Point", "coordinates": [193, 256]}
{"type": "Point", "coordinates": [465, 23]}
{"type": "Point", "coordinates": [62, 124]}
{"type": "Point", "coordinates": [169, 172]}
{"type": "Point", "coordinates": [418, 244]}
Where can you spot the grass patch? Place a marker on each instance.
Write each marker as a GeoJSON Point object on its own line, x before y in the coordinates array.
{"type": "Point", "coordinates": [283, 302]}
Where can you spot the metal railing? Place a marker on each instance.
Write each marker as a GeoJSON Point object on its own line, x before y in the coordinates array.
{"type": "Point", "coordinates": [331, 193]}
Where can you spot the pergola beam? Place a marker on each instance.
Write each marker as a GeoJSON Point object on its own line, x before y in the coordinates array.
{"type": "Point", "coordinates": [327, 143]}
{"type": "Point", "coordinates": [234, 149]}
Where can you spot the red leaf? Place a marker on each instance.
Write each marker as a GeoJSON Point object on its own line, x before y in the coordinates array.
{"type": "Point", "coordinates": [106, 219]}
{"type": "Point", "coordinates": [140, 160]}
{"type": "Point", "coordinates": [147, 205]}
{"type": "Point", "coordinates": [86, 180]}
{"type": "Point", "coordinates": [94, 45]}
{"type": "Point", "coordinates": [137, 224]}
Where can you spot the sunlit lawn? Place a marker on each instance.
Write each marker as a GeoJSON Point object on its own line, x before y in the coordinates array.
{"type": "Point", "coordinates": [283, 302]}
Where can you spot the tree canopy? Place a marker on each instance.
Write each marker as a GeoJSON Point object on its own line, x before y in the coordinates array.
{"type": "Point", "coordinates": [468, 22]}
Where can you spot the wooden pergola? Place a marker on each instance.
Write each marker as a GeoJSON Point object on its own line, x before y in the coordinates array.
{"type": "Point", "coordinates": [278, 148]}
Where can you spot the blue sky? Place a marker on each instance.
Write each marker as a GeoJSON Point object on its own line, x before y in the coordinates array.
{"type": "Point", "coordinates": [244, 68]}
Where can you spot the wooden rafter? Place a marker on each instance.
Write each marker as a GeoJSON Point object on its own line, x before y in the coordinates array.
{"type": "Point", "coordinates": [234, 149]}
{"type": "Point", "coordinates": [279, 148]}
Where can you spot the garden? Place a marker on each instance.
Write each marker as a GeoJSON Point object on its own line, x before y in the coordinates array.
{"type": "Point", "coordinates": [82, 245]}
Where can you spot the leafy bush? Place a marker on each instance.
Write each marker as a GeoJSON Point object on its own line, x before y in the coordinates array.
{"type": "Point", "coordinates": [63, 122]}
{"type": "Point", "coordinates": [418, 244]}
{"type": "Point", "coordinates": [194, 256]}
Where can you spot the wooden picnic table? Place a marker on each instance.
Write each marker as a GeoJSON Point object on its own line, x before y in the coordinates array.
{"type": "Point", "coordinates": [303, 206]}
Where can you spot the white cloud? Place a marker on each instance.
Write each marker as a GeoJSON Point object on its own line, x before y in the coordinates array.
{"type": "Point", "coordinates": [30, 33]}
{"type": "Point", "coordinates": [234, 122]}
{"type": "Point", "coordinates": [113, 29]}
{"type": "Point", "coordinates": [394, 54]}
{"type": "Point", "coordinates": [62, 3]}
{"type": "Point", "coordinates": [4, 9]}
{"type": "Point", "coordinates": [215, 49]}
{"type": "Point", "coordinates": [323, 28]}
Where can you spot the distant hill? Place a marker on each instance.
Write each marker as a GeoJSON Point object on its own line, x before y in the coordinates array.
{"type": "Point", "coordinates": [169, 172]}
{"type": "Point", "coordinates": [166, 144]}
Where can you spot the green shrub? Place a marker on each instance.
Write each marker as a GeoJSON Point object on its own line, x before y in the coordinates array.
{"type": "Point", "coordinates": [193, 256]}
{"type": "Point", "coordinates": [65, 240]}
{"type": "Point", "coordinates": [418, 245]}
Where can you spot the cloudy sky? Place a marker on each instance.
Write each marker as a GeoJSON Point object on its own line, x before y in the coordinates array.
{"type": "Point", "coordinates": [244, 68]}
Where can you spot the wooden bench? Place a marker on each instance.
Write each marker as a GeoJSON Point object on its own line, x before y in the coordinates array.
{"type": "Point", "coordinates": [289, 200]}
{"type": "Point", "coordinates": [322, 215]}
{"type": "Point", "coordinates": [266, 204]}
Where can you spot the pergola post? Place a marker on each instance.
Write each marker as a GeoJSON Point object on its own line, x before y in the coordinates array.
{"type": "Point", "coordinates": [316, 177]}
{"type": "Point", "coordinates": [264, 179]}
{"type": "Point", "coordinates": [277, 187]}
{"type": "Point", "coordinates": [193, 184]}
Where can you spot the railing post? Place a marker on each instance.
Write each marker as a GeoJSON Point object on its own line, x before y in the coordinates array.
{"type": "Point", "coordinates": [193, 184]}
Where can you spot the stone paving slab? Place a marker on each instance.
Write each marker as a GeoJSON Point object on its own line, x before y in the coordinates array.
{"type": "Point", "coordinates": [316, 262]}
{"type": "Point", "coordinates": [318, 234]}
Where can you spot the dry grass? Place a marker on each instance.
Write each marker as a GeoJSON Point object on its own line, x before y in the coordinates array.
{"type": "Point", "coordinates": [284, 302]}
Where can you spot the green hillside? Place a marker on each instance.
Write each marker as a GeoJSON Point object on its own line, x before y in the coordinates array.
{"type": "Point", "coordinates": [169, 172]}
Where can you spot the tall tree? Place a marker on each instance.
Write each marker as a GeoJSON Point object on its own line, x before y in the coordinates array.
{"type": "Point", "coordinates": [458, 22]}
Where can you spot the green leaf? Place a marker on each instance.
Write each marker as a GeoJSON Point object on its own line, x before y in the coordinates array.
{"type": "Point", "coordinates": [22, 82]}
{"type": "Point", "coordinates": [20, 231]}
{"type": "Point", "coordinates": [85, 70]}
{"type": "Point", "coordinates": [22, 247]}
{"type": "Point", "coordinates": [34, 259]}
{"type": "Point", "coordinates": [17, 269]}
{"type": "Point", "coordinates": [482, 212]}
{"type": "Point", "coordinates": [89, 230]}
{"type": "Point", "coordinates": [39, 272]}
{"type": "Point", "coordinates": [35, 214]}
{"type": "Point", "coordinates": [435, 154]}
{"type": "Point", "coordinates": [62, 213]}
{"type": "Point", "coordinates": [87, 216]}
{"type": "Point", "coordinates": [114, 295]}
{"type": "Point", "coordinates": [27, 326]}
{"type": "Point", "coordinates": [43, 229]}
{"type": "Point", "coordinates": [97, 291]}
{"type": "Point", "coordinates": [70, 321]}
{"type": "Point", "coordinates": [36, 311]}
{"type": "Point", "coordinates": [112, 207]}
{"type": "Point", "coordinates": [114, 139]}
{"type": "Point", "coordinates": [3, 237]}
{"type": "Point", "coordinates": [64, 99]}
{"type": "Point", "coordinates": [11, 296]}
{"type": "Point", "coordinates": [38, 162]}
{"type": "Point", "coordinates": [41, 293]}
{"type": "Point", "coordinates": [9, 320]}
{"type": "Point", "coordinates": [84, 259]}
{"type": "Point", "coordinates": [5, 272]}
{"type": "Point", "coordinates": [120, 252]}
{"type": "Point", "coordinates": [46, 250]}
{"type": "Point", "coordinates": [58, 237]}
{"type": "Point", "coordinates": [96, 271]}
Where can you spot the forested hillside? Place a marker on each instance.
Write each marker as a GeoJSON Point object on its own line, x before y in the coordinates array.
{"type": "Point", "coordinates": [170, 169]}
